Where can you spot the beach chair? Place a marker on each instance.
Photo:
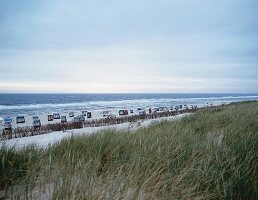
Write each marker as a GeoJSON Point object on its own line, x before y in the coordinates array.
{"type": "Point", "coordinates": [8, 123]}
{"type": "Point", "coordinates": [50, 118]}
{"type": "Point", "coordinates": [123, 112]}
{"type": "Point", "coordinates": [84, 113]}
{"type": "Point", "coordinates": [88, 115]}
{"type": "Point", "coordinates": [36, 123]}
{"type": "Point", "coordinates": [63, 119]}
{"type": "Point", "coordinates": [142, 112]}
{"type": "Point", "coordinates": [20, 119]}
{"type": "Point", "coordinates": [106, 113]}
{"type": "Point", "coordinates": [79, 118]}
{"type": "Point", "coordinates": [56, 115]}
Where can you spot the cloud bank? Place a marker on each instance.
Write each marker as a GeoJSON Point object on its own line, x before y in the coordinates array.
{"type": "Point", "coordinates": [129, 46]}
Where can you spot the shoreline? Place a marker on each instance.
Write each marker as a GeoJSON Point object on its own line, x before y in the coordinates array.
{"type": "Point", "coordinates": [25, 131]}
{"type": "Point", "coordinates": [51, 138]}
{"type": "Point", "coordinates": [96, 114]}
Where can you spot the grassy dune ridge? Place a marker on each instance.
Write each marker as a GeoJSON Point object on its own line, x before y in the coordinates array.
{"type": "Point", "coordinates": [209, 155]}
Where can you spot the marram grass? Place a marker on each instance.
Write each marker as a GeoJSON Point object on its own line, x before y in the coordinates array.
{"type": "Point", "coordinates": [209, 155]}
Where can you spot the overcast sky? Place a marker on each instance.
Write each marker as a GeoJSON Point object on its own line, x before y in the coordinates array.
{"type": "Point", "coordinates": [129, 46]}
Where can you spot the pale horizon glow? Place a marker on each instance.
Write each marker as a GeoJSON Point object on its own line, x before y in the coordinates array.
{"type": "Point", "coordinates": [161, 46]}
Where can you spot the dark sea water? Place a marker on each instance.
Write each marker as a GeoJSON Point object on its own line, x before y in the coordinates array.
{"type": "Point", "coordinates": [14, 104]}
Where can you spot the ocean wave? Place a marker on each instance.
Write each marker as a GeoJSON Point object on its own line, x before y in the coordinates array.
{"type": "Point", "coordinates": [64, 105]}
{"type": "Point", "coordinates": [124, 103]}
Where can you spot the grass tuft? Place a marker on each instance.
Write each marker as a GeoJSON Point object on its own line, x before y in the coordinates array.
{"type": "Point", "coordinates": [209, 155]}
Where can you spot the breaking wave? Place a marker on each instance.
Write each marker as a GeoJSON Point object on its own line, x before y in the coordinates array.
{"type": "Point", "coordinates": [126, 103]}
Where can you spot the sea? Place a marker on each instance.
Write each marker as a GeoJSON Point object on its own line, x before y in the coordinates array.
{"type": "Point", "coordinates": [31, 104]}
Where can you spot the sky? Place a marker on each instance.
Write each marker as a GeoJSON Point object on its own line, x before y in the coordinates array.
{"type": "Point", "coordinates": [120, 46]}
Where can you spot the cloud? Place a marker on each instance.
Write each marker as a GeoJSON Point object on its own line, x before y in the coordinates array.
{"type": "Point", "coordinates": [129, 46]}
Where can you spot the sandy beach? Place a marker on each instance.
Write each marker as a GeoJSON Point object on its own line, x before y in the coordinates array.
{"type": "Point", "coordinates": [45, 140]}
{"type": "Point", "coordinates": [95, 115]}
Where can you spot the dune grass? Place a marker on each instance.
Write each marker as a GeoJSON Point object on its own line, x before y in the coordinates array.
{"type": "Point", "coordinates": [209, 155]}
